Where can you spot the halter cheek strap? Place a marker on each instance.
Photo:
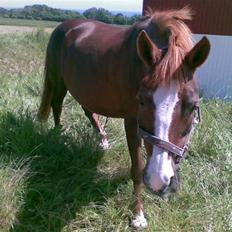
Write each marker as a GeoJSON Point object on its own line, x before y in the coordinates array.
{"type": "Point", "coordinates": [168, 146]}
{"type": "Point", "coordinates": [154, 140]}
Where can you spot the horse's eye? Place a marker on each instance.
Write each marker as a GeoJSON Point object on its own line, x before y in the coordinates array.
{"type": "Point", "coordinates": [189, 109]}
{"type": "Point", "coordinates": [141, 102]}
{"type": "Point", "coordinates": [192, 108]}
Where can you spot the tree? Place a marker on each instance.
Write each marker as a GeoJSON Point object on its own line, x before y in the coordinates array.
{"type": "Point", "coordinates": [43, 12]}
{"type": "Point", "coordinates": [104, 15]}
{"type": "Point", "coordinates": [134, 18]}
{"type": "Point", "coordinates": [100, 14]}
{"type": "Point", "coordinates": [120, 19]}
{"type": "Point", "coordinates": [91, 13]}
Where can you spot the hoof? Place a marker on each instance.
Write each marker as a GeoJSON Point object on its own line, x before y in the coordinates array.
{"type": "Point", "coordinates": [139, 222]}
{"type": "Point", "coordinates": [104, 145]}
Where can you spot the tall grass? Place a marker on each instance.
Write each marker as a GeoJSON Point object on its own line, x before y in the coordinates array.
{"type": "Point", "coordinates": [59, 180]}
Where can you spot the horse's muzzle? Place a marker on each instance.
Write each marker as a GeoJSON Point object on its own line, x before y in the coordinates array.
{"type": "Point", "coordinates": [166, 189]}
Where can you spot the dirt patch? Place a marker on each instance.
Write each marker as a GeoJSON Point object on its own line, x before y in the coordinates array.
{"type": "Point", "coordinates": [6, 29]}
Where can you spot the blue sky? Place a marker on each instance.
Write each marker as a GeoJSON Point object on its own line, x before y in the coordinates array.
{"type": "Point", "coordinates": [113, 5]}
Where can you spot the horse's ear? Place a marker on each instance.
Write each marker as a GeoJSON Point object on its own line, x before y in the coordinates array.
{"type": "Point", "coordinates": [198, 54]}
{"type": "Point", "coordinates": [147, 51]}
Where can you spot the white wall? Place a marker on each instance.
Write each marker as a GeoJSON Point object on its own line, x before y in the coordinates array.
{"type": "Point", "coordinates": [215, 76]}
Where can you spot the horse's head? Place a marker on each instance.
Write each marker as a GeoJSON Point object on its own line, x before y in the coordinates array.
{"type": "Point", "coordinates": [168, 98]}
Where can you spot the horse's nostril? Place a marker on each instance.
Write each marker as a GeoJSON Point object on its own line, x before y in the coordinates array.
{"type": "Point", "coordinates": [166, 180]}
{"type": "Point", "coordinates": [163, 189]}
{"type": "Point", "coordinates": [145, 179]}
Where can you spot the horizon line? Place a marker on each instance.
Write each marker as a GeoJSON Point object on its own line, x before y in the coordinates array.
{"type": "Point", "coordinates": [62, 8]}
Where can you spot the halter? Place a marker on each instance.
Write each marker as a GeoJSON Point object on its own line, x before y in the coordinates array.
{"type": "Point", "coordinates": [175, 150]}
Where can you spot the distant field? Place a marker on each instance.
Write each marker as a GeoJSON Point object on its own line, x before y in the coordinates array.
{"type": "Point", "coordinates": [27, 22]}
{"type": "Point", "coordinates": [8, 29]}
{"type": "Point", "coordinates": [9, 26]}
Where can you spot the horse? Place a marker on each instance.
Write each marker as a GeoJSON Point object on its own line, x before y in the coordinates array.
{"type": "Point", "coordinates": [143, 73]}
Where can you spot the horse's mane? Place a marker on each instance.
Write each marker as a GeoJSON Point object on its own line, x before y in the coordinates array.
{"type": "Point", "coordinates": [180, 42]}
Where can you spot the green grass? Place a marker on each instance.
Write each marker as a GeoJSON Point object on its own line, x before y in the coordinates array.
{"type": "Point", "coordinates": [27, 22]}
{"type": "Point", "coordinates": [55, 180]}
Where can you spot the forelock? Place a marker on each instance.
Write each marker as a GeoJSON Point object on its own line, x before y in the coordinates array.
{"type": "Point", "coordinates": [180, 42]}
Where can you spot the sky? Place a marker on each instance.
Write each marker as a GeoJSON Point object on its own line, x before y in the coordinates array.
{"type": "Point", "coordinates": [113, 5]}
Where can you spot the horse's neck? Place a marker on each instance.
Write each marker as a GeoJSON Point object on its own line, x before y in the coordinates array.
{"type": "Point", "coordinates": [134, 67]}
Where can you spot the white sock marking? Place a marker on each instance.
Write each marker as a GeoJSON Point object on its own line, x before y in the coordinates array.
{"type": "Point", "coordinates": [104, 144]}
{"type": "Point", "coordinates": [139, 222]}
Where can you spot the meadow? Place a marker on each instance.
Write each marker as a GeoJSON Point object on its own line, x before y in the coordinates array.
{"type": "Point", "coordinates": [27, 22]}
{"type": "Point", "coordinates": [58, 180]}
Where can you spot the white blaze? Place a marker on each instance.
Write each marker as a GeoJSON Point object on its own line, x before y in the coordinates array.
{"type": "Point", "coordinates": [160, 170]}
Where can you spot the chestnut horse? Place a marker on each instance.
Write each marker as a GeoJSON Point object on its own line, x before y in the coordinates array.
{"type": "Point", "coordinates": [144, 74]}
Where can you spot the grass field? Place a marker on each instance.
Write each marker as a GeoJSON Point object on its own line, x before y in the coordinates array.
{"type": "Point", "coordinates": [27, 22]}
{"type": "Point", "coordinates": [60, 181]}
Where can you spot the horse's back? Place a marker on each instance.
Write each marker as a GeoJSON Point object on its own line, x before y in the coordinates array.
{"type": "Point", "coordinates": [88, 31]}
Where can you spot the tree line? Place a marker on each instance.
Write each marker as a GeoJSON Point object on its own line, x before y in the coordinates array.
{"type": "Point", "coordinates": [43, 12]}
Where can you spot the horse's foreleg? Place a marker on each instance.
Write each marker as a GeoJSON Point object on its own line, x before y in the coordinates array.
{"type": "Point", "coordinates": [137, 165]}
{"type": "Point", "coordinates": [93, 117]}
